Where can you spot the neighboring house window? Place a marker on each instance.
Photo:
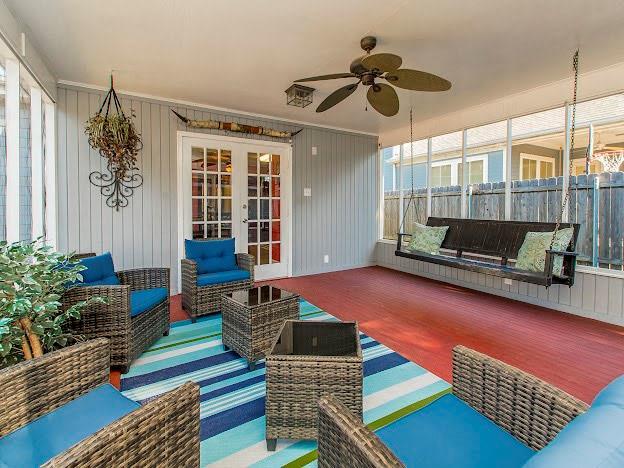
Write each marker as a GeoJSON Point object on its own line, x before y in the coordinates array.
{"type": "Point", "coordinates": [449, 172]}
{"type": "Point", "coordinates": [533, 166]}
{"type": "Point", "coordinates": [441, 175]}
{"type": "Point", "coordinates": [578, 167]}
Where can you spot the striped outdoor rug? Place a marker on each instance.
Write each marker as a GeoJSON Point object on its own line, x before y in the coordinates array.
{"type": "Point", "coordinates": [232, 398]}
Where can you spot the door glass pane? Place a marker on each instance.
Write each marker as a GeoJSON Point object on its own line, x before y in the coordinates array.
{"type": "Point", "coordinates": [264, 186]}
{"type": "Point", "coordinates": [252, 230]}
{"type": "Point", "coordinates": [253, 209]}
{"type": "Point", "coordinates": [252, 163]}
{"type": "Point", "coordinates": [275, 252]}
{"type": "Point", "coordinates": [212, 160]}
{"type": "Point", "coordinates": [212, 231]}
{"type": "Point", "coordinates": [264, 254]}
{"type": "Point", "coordinates": [198, 231]}
{"type": "Point", "coordinates": [198, 209]}
{"type": "Point", "coordinates": [276, 205]}
{"type": "Point", "coordinates": [264, 209]}
{"type": "Point", "coordinates": [226, 230]}
{"type": "Point", "coordinates": [226, 209]}
{"type": "Point", "coordinates": [212, 209]}
{"type": "Point", "coordinates": [197, 159]}
{"type": "Point", "coordinates": [226, 185]}
{"type": "Point", "coordinates": [198, 185]}
{"type": "Point", "coordinates": [253, 250]}
{"type": "Point", "coordinates": [264, 231]}
{"type": "Point", "coordinates": [276, 232]}
{"type": "Point", "coordinates": [226, 161]}
{"type": "Point", "coordinates": [275, 164]}
{"type": "Point", "coordinates": [252, 186]}
{"type": "Point", "coordinates": [212, 184]}
{"type": "Point", "coordinates": [275, 186]}
{"type": "Point", "coordinates": [264, 159]}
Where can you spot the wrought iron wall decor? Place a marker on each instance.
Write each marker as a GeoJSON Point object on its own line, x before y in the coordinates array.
{"type": "Point", "coordinates": [235, 127]}
{"type": "Point", "coordinates": [115, 137]}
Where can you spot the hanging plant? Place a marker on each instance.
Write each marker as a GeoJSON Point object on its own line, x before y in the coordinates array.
{"type": "Point", "coordinates": [113, 134]}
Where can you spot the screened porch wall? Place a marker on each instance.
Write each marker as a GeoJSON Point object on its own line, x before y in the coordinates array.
{"type": "Point", "coordinates": [338, 220]}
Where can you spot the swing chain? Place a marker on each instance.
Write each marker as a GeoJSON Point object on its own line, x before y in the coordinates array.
{"type": "Point", "coordinates": [566, 199]}
{"type": "Point", "coordinates": [411, 171]}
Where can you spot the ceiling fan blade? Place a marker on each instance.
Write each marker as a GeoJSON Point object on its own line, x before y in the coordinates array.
{"type": "Point", "coordinates": [326, 77]}
{"type": "Point", "coordinates": [417, 80]}
{"type": "Point", "coordinates": [383, 98]}
{"type": "Point", "coordinates": [337, 96]}
{"type": "Point", "coordinates": [382, 62]}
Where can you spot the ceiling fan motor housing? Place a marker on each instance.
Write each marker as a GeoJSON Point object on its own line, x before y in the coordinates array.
{"type": "Point", "coordinates": [368, 43]}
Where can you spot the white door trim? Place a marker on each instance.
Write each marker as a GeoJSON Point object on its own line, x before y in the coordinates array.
{"type": "Point", "coordinates": [180, 187]}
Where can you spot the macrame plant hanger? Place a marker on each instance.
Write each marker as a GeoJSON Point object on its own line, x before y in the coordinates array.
{"type": "Point", "coordinates": [566, 198]}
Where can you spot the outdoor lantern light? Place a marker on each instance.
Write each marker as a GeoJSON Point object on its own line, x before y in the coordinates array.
{"type": "Point", "coordinates": [298, 95]}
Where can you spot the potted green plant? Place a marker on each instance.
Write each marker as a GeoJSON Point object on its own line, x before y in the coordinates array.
{"type": "Point", "coordinates": [32, 279]}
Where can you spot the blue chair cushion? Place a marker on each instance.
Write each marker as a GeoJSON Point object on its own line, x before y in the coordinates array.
{"type": "Point", "coordinates": [449, 433]}
{"type": "Point", "coordinates": [223, 277]}
{"type": "Point", "coordinates": [51, 434]}
{"type": "Point", "coordinates": [211, 256]}
{"type": "Point", "coordinates": [592, 439]}
{"type": "Point", "coordinates": [146, 299]}
{"type": "Point", "coordinates": [100, 271]}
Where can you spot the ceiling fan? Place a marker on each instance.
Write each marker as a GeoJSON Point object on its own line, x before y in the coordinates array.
{"type": "Point", "coordinates": [370, 68]}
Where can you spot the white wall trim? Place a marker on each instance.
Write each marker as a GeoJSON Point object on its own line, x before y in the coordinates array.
{"type": "Point", "coordinates": [181, 102]}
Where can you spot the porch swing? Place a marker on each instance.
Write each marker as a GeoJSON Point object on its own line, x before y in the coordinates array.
{"type": "Point", "coordinates": [488, 246]}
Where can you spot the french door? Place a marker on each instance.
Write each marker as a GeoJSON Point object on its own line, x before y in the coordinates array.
{"type": "Point", "coordinates": [233, 187]}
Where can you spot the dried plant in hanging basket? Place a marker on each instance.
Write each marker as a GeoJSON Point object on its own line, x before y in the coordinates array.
{"type": "Point", "coordinates": [113, 134]}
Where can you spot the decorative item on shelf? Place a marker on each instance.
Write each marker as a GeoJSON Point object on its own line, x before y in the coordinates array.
{"type": "Point", "coordinates": [298, 95]}
{"type": "Point", "coordinates": [32, 279]}
{"type": "Point", "coordinates": [234, 127]}
{"type": "Point", "coordinates": [114, 135]}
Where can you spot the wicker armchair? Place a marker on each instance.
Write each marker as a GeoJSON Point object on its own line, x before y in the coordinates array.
{"type": "Point", "coordinates": [530, 409]}
{"type": "Point", "coordinates": [163, 432]}
{"type": "Point", "coordinates": [128, 336]}
{"type": "Point", "coordinates": [204, 300]}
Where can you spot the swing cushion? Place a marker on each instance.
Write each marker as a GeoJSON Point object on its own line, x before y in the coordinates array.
{"type": "Point", "coordinates": [532, 254]}
{"type": "Point", "coordinates": [427, 239]}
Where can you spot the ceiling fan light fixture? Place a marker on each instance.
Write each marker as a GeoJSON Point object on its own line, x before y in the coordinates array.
{"type": "Point", "coordinates": [299, 96]}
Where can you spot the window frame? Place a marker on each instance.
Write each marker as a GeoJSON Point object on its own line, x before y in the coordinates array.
{"type": "Point", "coordinates": [538, 159]}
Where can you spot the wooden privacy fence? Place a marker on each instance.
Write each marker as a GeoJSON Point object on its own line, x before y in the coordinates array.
{"type": "Point", "coordinates": [596, 203]}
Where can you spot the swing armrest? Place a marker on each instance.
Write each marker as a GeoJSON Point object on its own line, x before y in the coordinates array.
{"type": "Point", "coordinates": [569, 261]}
{"type": "Point", "coordinates": [400, 236]}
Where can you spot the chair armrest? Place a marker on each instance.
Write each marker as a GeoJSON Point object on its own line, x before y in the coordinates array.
{"type": "Point", "coordinates": [343, 440]}
{"type": "Point", "coordinates": [164, 432]}
{"type": "Point", "coordinates": [106, 320]}
{"type": "Point", "coordinates": [246, 262]}
{"type": "Point", "coordinates": [145, 278]}
{"type": "Point", "coordinates": [189, 274]}
{"type": "Point", "coordinates": [33, 388]}
{"type": "Point", "coordinates": [530, 409]}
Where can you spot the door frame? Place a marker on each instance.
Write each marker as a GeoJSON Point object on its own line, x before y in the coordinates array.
{"type": "Point", "coordinates": [181, 134]}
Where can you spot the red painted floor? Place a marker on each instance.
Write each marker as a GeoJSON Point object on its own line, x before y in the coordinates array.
{"type": "Point", "coordinates": [423, 319]}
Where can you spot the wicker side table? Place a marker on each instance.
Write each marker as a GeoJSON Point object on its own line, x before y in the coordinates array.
{"type": "Point", "coordinates": [253, 317]}
{"type": "Point", "coordinates": [310, 359]}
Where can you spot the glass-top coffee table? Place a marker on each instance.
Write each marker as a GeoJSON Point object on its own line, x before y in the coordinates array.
{"type": "Point", "coordinates": [253, 317]}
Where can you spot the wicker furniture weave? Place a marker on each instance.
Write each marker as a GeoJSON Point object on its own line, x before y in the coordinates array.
{"type": "Point", "coordinates": [128, 336]}
{"type": "Point", "coordinates": [164, 432]}
{"type": "Point", "coordinates": [310, 359]}
{"type": "Point", "coordinates": [530, 409]}
{"type": "Point", "coordinates": [252, 318]}
{"type": "Point", "coordinates": [204, 300]}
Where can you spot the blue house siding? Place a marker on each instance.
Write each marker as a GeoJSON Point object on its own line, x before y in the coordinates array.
{"type": "Point", "coordinates": [420, 176]}
{"type": "Point", "coordinates": [496, 164]}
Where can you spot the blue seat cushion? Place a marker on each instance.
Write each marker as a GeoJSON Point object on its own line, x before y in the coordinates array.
{"type": "Point", "coordinates": [592, 439]}
{"type": "Point", "coordinates": [223, 277]}
{"type": "Point", "coordinates": [100, 271]}
{"type": "Point", "coordinates": [146, 299]}
{"type": "Point", "coordinates": [449, 433]}
{"type": "Point", "coordinates": [211, 256]}
{"type": "Point", "coordinates": [51, 434]}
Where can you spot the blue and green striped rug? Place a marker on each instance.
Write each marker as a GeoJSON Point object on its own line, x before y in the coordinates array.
{"type": "Point", "coordinates": [232, 398]}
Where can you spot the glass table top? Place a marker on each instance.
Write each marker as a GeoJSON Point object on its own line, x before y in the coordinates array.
{"type": "Point", "coordinates": [260, 295]}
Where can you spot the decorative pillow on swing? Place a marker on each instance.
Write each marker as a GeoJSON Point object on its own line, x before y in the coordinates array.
{"type": "Point", "coordinates": [532, 254]}
{"type": "Point", "coordinates": [427, 239]}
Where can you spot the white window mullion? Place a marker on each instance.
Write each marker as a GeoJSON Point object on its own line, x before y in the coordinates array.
{"type": "Point", "coordinates": [508, 171]}
{"type": "Point", "coordinates": [36, 145]}
{"type": "Point", "coordinates": [12, 116]}
{"type": "Point", "coordinates": [566, 162]}
{"type": "Point", "coordinates": [429, 175]}
{"type": "Point", "coordinates": [464, 183]}
{"type": "Point", "coordinates": [50, 174]}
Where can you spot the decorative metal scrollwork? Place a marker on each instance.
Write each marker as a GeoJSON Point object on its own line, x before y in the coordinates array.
{"type": "Point", "coordinates": [115, 187]}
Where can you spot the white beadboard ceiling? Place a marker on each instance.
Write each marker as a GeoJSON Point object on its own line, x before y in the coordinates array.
{"type": "Point", "coordinates": [242, 54]}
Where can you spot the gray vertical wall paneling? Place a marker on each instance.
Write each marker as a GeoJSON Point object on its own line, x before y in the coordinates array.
{"type": "Point", "coordinates": [593, 295]}
{"type": "Point", "coordinates": [338, 220]}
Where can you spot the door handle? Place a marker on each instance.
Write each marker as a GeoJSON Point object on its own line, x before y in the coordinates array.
{"type": "Point", "coordinates": [245, 220]}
